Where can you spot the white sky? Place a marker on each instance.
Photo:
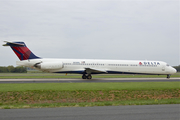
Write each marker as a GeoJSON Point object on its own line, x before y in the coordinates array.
{"type": "Point", "coordinates": [92, 29]}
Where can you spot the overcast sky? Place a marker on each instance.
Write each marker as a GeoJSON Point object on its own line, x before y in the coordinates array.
{"type": "Point", "coordinates": [93, 29]}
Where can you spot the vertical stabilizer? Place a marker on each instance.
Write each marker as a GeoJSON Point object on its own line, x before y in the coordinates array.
{"type": "Point", "coordinates": [21, 50]}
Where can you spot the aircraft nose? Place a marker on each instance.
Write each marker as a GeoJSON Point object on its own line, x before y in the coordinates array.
{"type": "Point", "coordinates": [173, 70]}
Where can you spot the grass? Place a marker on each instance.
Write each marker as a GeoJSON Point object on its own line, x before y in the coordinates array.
{"type": "Point", "coordinates": [57, 76]}
{"type": "Point", "coordinates": [35, 95]}
{"type": "Point", "coordinates": [91, 104]}
{"type": "Point", "coordinates": [89, 86]}
{"type": "Point", "coordinates": [78, 96]}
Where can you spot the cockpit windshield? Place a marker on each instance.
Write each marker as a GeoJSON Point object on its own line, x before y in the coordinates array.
{"type": "Point", "coordinates": [167, 65]}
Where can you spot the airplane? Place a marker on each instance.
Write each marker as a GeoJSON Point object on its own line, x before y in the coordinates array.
{"type": "Point", "coordinates": [86, 67]}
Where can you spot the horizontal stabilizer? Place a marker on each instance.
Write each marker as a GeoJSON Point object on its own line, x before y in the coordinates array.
{"type": "Point", "coordinates": [13, 44]}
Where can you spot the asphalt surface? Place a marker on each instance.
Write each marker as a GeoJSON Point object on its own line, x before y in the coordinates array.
{"type": "Point", "coordinates": [89, 81]}
{"type": "Point", "coordinates": [142, 112]}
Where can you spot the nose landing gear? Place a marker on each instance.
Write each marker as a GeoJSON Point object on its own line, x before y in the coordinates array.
{"type": "Point", "coordinates": [168, 76]}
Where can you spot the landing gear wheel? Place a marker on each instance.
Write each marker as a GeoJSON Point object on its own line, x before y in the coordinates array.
{"type": "Point", "coordinates": [168, 76]}
{"type": "Point", "coordinates": [89, 77]}
{"type": "Point", "coordinates": [84, 76]}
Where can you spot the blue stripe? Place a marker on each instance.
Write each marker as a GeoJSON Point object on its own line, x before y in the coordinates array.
{"type": "Point", "coordinates": [32, 56]}
{"type": "Point", "coordinates": [78, 72]}
{"type": "Point", "coordinates": [108, 72]}
{"type": "Point", "coordinates": [117, 72]}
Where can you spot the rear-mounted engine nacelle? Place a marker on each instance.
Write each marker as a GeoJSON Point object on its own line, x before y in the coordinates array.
{"type": "Point", "coordinates": [49, 65]}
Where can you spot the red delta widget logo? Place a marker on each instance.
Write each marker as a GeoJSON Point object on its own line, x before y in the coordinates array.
{"type": "Point", "coordinates": [149, 63]}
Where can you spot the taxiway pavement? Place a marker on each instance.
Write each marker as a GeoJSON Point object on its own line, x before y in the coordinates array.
{"type": "Point", "coordinates": [88, 81]}
{"type": "Point", "coordinates": [139, 112]}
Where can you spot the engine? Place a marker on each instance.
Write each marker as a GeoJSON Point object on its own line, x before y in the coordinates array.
{"type": "Point", "coordinates": [49, 65]}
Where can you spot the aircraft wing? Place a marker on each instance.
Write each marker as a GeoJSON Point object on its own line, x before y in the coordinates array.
{"type": "Point", "coordinates": [94, 70]}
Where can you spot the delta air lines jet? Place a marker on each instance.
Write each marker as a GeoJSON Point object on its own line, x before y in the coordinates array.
{"type": "Point", "coordinates": [86, 67]}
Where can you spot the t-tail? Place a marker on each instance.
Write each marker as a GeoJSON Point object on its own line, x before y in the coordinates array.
{"type": "Point", "coordinates": [21, 50]}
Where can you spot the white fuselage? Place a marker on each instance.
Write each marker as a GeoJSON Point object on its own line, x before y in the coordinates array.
{"type": "Point", "coordinates": [99, 66]}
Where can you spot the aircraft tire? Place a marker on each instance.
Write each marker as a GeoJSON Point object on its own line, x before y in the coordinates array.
{"type": "Point", "coordinates": [89, 77]}
{"type": "Point", "coordinates": [84, 77]}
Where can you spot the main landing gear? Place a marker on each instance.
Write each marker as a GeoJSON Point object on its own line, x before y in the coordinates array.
{"type": "Point", "coordinates": [86, 76]}
{"type": "Point", "coordinates": [168, 76]}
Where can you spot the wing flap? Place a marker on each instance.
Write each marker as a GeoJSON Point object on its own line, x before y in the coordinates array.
{"type": "Point", "coordinates": [94, 70]}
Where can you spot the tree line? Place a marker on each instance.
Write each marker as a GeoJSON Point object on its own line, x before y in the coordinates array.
{"type": "Point", "coordinates": [12, 69]}
{"type": "Point", "coordinates": [177, 68]}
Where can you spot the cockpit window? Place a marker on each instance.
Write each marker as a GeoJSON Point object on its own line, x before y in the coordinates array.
{"type": "Point", "coordinates": [167, 65]}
